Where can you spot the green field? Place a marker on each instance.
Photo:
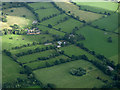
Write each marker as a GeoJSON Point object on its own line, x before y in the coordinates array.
{"type": "Point", "coordinates": [98, 6]}
{"type": "Point", "coordinates": [46, 12]}
{"type": "Point", "coordinates": [10, 70]}
{"type": "Point", "coordinates": [40, 5]}
{"type": "Point", "coordinates": [18, 40]}
{"type": "Point", "coordinates": [50, 30]}
{"type": "Point", "coordinates": [53, 21]}
{"type": "Point", "coordinates": [59, 75]}
{"type": "Point", "coordinates": [51, 61]}
{"type": "Point", "coordinates": [34, 56]}
{"type": "Point", "coordinates": [83, 15]}
{"type": "Point", "coordinates": [72, 23]}
{"type": "Point", "coordinates": [109, 23]}
{"type": "Point", "coordinates": [96, 40]}
{"type": "Point", "coordinates": [16, 17]}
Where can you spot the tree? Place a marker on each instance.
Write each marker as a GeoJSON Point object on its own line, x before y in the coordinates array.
{"type": "Point", "coordinates": [49, 25]}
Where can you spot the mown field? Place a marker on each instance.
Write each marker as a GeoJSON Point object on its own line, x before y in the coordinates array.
{"type": "Point", "coordinates": [16, 17]}
{"type": "Point", "coordinates": [83, 15]}
{"type": "Point", "coordinates": [96, 40]}
{"type": "Point", "coordinates": [98, 7]}
{"type": "Point", "coordinates": [60, 76]}
{"type": "Point", "coordinates": [10, 70]}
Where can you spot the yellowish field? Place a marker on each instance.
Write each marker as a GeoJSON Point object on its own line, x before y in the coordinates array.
{"type": "Point", "coordinates": [16, 17]}
{"type": "Point", "coordinates": [84, 15]}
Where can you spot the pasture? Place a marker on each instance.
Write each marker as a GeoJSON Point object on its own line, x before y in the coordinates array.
{"type": "Point", "coordinates": [50, 30]}
{"type": "Point", "coordinates": [10, 70]}
{"type": "Point", "coordinates": [59, 75]}
{"type": "Point", "coordinates": [53, 21]}
{"type": "Point", "coordinates": [42, 13]}
{"type": "Point", "coordinates": [35, 56]}
{"type": "Point", "coordinates": [68, 25]}
{"type": "Point", "coordinates": [18, 40]}
{"type": "Point", "coordinates": [110, 23]}
{"type": "Point", "coordinates": [40, 5]}
{"type": "Point", "coordinates": [84, 15]}
{"type": "Point", "coordinates": [74, 50]}
{"type": "Point", "coordinates": [109, 7]}
{"type": "Point", "coordinates": [96, 40]}
{"type": "Point", "coordinates": [51, 61]}
{"type": "Point", "coordinates": [17, 15]}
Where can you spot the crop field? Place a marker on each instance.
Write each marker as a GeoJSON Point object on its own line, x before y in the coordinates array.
{"type": "Point", "coordinates": [59, 75]}
{"type": "Point", "coordinates": [18, 40]}
{"type": "Point", "coordinates": [98, 6]}
{"type": "Point", "coordinates": [17, 15]}
{"type": "Point", "coordinates": [54, 21]}
{"type": "Point", "coordinates": [109, 23]}
{"type": "Point", "coordinates": [50, 30]}
{"type": "Point", "coordinates": [40, 5]}
{"type": "Point", "coordinates": [84, 15]}
{"type": "Point", "coordinates": [32, 57]}
{"type": "Point", "coordinates": [51, 61]}
{"type": "Point", "coordinates": [11, 68]}
{"type": "Point", "coordinates": [46, 12]}
{"type": "Point", "coordinates": [71, 23]}
{"type": "Point", "coordinates": [103, 47]}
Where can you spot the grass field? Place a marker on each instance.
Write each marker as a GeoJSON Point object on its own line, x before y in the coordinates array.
{"type": "Point", "coordinates": [10, 70]}
{"type": "Point", "coordinates": [46, 12]}
{"type": "Point", "coordinates": [59, 75]}
{"type": "Point", "coordinates": [74, 50]}
{"type": "Point", "coordinates": [98, 6]}
{"type": "Point", "coordinates": [51, 61]}
{"type": "Point", "coordinates": [84, 15]}
{"type": "Point", "coordinates": [50, 30]}
{"type": "Point", "coordinates": [18, 40]}
{"type": "Point", "coordinates": [16, 17]}
{"type": "Point", "coordinates": [25, 49]}
{"type": "Point", "coordinates": [109, 23]}
{"type": "Point", "coordinates": [68, 25]}
{"type": "Point", "coordinates": [96, 40]}
{"type": "Point", "coordinates": [53, 21]}
{"type": "Point", "coordinates": [39, 5]}
{"type": "Point", "coordinates": [34, 56]}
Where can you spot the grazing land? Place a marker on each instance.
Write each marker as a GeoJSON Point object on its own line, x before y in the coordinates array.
{"type": "Point", "coordinates": [59, 44]}
{"type": "Point", "coordinates": [60, 76]}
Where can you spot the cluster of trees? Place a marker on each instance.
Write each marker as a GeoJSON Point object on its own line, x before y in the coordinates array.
{"type": "Point", "coordinates": [4, 18]}
{"type": "Point", "coordinates": [77, 71]}
{"type": "Point", "coordinates": [73, 38]}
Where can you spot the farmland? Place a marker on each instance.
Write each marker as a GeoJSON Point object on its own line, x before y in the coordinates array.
{"type": "Point", "coordinates": [59, 45]}
{"type": "Point", "coordinates": [91, 41]}
{"type": "Point", "coordinates": [60, 76]}
{"type": "Point", "coordinates": [102, 7]}
{"type": "Point", "coordinates": [17, 15]}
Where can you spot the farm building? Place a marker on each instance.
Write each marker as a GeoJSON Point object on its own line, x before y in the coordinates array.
{"type": "Point", "coordinates": [33, 31]}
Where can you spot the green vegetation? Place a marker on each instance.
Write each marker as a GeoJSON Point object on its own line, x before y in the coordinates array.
{"type": "Point", "coordinates": [17, 15]}
{"type": "Point", "coordinates": [99, 7]}
{"type": "Point", "coordinates": [110, 22]}
{"type": "Point", "coordinates": [74, 10]}
{"type": "Point", "coordinates": [10, 70]}
{"type": "Point", "coordinates": [59, 75]}
{"type": "Point", "coordinates": [96, 40]}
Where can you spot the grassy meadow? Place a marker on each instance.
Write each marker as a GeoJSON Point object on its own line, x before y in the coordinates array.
{"type": "Point", "coordinates": [60, 76]}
